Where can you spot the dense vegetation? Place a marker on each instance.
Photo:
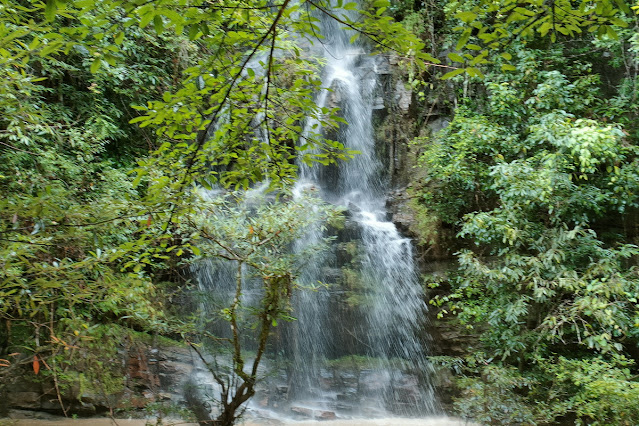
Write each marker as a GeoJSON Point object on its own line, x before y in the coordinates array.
{"type": "Point", "coordinates": [537, 176]}
{"type": "Point", "coordinates": [113, 113]}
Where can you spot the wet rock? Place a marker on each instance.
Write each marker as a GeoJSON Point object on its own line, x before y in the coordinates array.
{"type": "Point", "coordinates": [349, 396]}
{"type": "Point", "coordinates": [354, 208]}
{"type": "Point", "coordinates": [382, 65]}
{"type": "Point", "coordinates": [373, 381]}
{"type": "Point", "coordinates": [83, 408]}
{"type": "Point", "coordinates": [325, 415]}
{"type": "Point", "coordinates": [149, 395]}
{"type": "Point", "coordinates": [403, 96]}
{"type": "Point", "coordinates": [50, 404]}
{"type": "Point", "coordinates": [25, 385]}
{"type": "Point", "coordinates": [24, 400]}
{"type": "Point", "coordinates": [313, 414]}
{"type": "Point", "coordinates": [438, 124]}
{"type": "Point", "coordinates": [302, 411]}
{"type": "Point", "coordinates": [326, 379]}
{"type": "Point", "coordinates": [344, 408]}
{"type": "Point", "coordinates": [378, 103]}
{"type": "Point", "coordinates": [164, 396]}
{"type": "Point", "coordinates": [25, 414]}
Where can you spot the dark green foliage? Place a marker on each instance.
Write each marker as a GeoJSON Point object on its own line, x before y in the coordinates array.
{"type": "Point", "coordinates": [537, 173]}
{"type": "Point", "coordinates": [66, 198]}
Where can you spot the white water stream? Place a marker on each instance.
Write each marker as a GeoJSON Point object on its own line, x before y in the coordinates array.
{"type": "Point", "coordinates": [357, 348]}
{"type": "Point", "coordinates": [380, 331]}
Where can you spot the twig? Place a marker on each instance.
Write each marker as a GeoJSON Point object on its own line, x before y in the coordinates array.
{"type": "Point", "coordinates": [18, 149]}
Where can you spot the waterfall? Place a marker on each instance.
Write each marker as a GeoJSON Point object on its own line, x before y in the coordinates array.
{"type": "Point", "coordinates": [375, 325]}
{"type": "Point", "coordinates": [357, 347]}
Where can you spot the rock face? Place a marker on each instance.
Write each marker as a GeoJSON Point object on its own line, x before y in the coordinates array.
{"type": "Point", "coordinates": [151, 375]}
{"type": "Point", "coordinates": [346, 390]}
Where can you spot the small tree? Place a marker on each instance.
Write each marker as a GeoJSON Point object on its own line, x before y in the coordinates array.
{"type": "Point", "coordinates": [258, 241]}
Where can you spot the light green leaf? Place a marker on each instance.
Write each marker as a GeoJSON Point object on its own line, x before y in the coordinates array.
{"type": "Point", "coordinates": [146, 18]}
{"type": "Point", "coordinates": [158, 24]}
{"type": "Point", "coordinates": [463, 39]}
{"type": "Point", "coordinates": [466, 17]}
{"type": "Point", "coordinates": [119, 37]}
{"type": "Point", "coordinates": [455, 57]}
{"type": "Point", "coordinates": [474, 72]}
{"type": "Point", "coordinates": [95, 66]}
{"type": "Point", "coordinates": [50, 10]}
{"type": "Point", "coordinates": [453, 73]}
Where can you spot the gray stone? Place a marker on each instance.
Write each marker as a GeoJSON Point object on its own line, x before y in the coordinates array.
{"type": "Point", "coordinates": [28, 400]}
{"type": "Point", "coordinates": [27, 414]}
{"type": "Point", "coordinates": [382, 65]}
{"type": "Point", "coordinates": [403, 96]}
{"type": "Point", "coordinates": [325, 415]}
{"type": "Point", "coordinates": [302, 411]}
{"type": "Point", "coordinates": [378, 103]}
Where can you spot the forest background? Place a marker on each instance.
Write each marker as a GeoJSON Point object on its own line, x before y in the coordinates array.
{"type": "Point", "coordinates": [113, 112]}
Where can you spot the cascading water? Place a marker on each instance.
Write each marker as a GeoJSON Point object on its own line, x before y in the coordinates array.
{"type": "Point", "coordinates": [357, 348]}
{"type": "Point", "coordinates": [376, 330]}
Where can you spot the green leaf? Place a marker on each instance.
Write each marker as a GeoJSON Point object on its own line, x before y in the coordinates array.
{"type": "Point", "coordinates": [50, 10]}
{"type": "Point", "coordinates": [146, 18]}
{"type": "Point", "coordinates": [474, 72]}
{"type": "Point", "coordinates": [158, 24]}
{"type": "Point", "coordinates": [453, 73]}
{"type": "Point", "coordinates": [466, 17]}
{"type": "Point", "coordinates": [110, 59]}
{"type": "Point", "coordinates": [455, 57]}
{"type": "Point", "coordinates": [524, 12]}
{"type": "Point", "coordinates": [95, 66]}
{"type": "Point", "coordinates": [194, 31]}
{"type": "Point", "coordinates": [544, 28]}
{"type": "Point", "coordinates": [463, 39]}
{"type": "Point", "coordinates": [46, 50]}
{"type": "Point", "coordinates": [119, 37]}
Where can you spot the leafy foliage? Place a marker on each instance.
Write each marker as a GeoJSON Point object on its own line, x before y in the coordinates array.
{"type": "Point", "coordinates": [531, 176]}
{"type": "Point", "coordinates": [487, 29]}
